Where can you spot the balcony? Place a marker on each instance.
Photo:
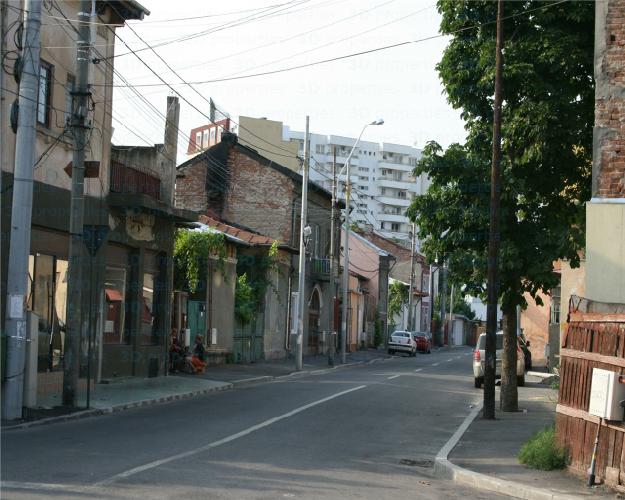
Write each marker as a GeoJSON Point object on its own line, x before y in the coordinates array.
{"type": "Point", "coordinates": [391, 217]}
{"type": "Point", "coordinates": [391, 182]}
{"type": "Point", "coordinates": [398, 202]}
{"type": "Point", "coordinates": [320, 269]}
{"type": "Point", "coordinates": [129, 180]}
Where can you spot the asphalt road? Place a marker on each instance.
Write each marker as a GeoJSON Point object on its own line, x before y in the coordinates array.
{"type": "Point", "coordinates": [367, 432]}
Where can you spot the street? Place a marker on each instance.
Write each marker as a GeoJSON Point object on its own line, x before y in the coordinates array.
{"type": "Point", "coordinates": [370, 431]}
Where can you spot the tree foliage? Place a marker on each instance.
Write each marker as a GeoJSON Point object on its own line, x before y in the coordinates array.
{"type": "Point", "coordinates": [398, 295]}
{"type": "Point", "coordinates": [547, 117]}
{"type": "Point", "coordinates": [192, 250]}
{"type": "Point", "coordinates": [244, 300]}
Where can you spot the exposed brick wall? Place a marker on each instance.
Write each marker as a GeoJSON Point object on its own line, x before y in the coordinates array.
{"type": "Point", "coordinates": [191, 189]}
{"type": "Point", "coordinates": [259, 197]}
{"type": "Point", "coordinates": [609, 171]}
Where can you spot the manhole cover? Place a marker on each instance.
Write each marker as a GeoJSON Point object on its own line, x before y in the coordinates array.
{"type": "Point", "coordinates": [416, 462]}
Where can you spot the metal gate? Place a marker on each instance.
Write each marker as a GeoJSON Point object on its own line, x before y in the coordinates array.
{"type": "Point", "coordinates": [248, 340]}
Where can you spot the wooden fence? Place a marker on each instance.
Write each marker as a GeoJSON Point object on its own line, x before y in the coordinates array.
{"type": "Point", "coordinates": [594, 338]}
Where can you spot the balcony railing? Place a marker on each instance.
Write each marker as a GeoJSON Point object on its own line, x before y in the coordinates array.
{"type": "Point", "coordinates": [132, 180]}
{"type": "Point", "coordinates": [320, 268]}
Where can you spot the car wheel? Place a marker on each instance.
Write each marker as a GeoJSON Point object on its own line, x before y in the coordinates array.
{"type": "Point", "coordinates": [391, 352]}
{"type": "Point", "coordinates": [429, 351]}
{"type": "Point", "coordinates": [520, 381]}
{"type": "Point", "coordinates": [478, 382]}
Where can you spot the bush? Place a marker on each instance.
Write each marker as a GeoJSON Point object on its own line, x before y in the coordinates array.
{"type": "Point", "coordinates": [542, 452]}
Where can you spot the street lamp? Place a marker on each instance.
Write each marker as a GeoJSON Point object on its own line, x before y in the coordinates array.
{"type": "Point", "coordinates": [379, 121]}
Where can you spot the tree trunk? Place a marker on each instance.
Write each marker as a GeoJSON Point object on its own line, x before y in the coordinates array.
{"type": "Point", "coordinates": [509, 398]}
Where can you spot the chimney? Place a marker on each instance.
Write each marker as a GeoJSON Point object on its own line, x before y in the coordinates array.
{"type": "Point", "coordinates": [171, 148]}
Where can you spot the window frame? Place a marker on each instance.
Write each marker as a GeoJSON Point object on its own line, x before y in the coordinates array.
{"type": "Point", "coordinates": [45, 65]}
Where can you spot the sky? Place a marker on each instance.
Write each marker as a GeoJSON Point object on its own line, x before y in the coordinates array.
{"type": "Point", "coordinates": [243, 37]}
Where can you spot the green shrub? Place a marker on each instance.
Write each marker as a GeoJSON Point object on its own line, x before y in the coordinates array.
{"type": "Point", "coordinates": [542, 452]}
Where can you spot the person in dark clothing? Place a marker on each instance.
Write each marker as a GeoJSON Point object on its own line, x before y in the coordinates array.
{"type": "Point", "coordinates": [176, 356]}
{"type": "Point", "coordinates": [198, 355]}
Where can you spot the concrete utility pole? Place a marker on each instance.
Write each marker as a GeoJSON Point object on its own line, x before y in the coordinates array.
{"type": "Point", "coordinates": [301, 288]}
{"type": "Point", "coordinates": [80, 109]}
{"type": "Point", "coordinates": [494, 234]}
{"type": "Point", "coordinates": [451, 314]}
{"type": "Point", "coordinates": [346, 248]}
{"type": "Point", "coordinates": [443, 300]}
{"type": "Point", "coordinates": [21, 214]}
{"type": "Point", "coordinates": [333, 261]}
{"type": "Point", "coordinates": [411, 289]}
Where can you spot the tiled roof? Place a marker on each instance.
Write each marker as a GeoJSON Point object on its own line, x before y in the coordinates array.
{"type": "Point", "coordinates": [246, 237]}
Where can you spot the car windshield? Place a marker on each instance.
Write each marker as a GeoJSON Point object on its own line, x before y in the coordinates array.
{"type": "Point", "coordinates": [481, 343]}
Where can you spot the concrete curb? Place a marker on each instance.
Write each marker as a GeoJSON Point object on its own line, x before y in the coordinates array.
{"type": "Point", "coordinates": [445, 469]}
{"type": "Point", "coordinates": [94, 412]}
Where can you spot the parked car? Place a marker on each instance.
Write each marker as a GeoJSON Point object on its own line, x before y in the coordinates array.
{"type": "Point", "coordinates": [402, 342]}
{"type": "Point", "coordinates": [424, 344]}
{"type": "Point", "coordinates": [479, 356]}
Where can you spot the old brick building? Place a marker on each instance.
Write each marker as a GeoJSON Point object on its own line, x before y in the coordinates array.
{"type": "Point", "coordinates": [235, 184]}
{"type": "Point", "coordinates": [605, 213]}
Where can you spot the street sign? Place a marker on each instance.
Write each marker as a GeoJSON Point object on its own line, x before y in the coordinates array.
{"type": "Point", "coordinates": [93, 236]}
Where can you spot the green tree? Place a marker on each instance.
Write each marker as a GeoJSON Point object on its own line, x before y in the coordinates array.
{"type": "Point", "coordinates": [547, 117]}
{"type": "Point", "coordinates": [397, 298]}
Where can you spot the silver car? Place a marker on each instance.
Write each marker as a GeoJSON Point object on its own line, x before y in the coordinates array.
{"type": "Point", "coordinates": [479, 355]}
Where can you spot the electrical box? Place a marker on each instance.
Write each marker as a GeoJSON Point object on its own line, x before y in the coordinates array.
{"type": "Point", "coordinates": [606, 394]}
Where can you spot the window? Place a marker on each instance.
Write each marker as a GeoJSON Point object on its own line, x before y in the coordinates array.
{"type": "Point", "coordinates": [44, 95]}
{"type": "Point", "coordinates": [320, 149]}
{"type": "Point", "coordinates": [198, 140]}
{"type": "Point", "coordinates": [212, 139]}
{"type": "Point", "coordinates": [148, 313]}
{"type": "Point", "coordinates": [69, 98]}
{"type": "Point", "coordinates": [363, 178]}
{"type": "Point", "coordinates": [401, 195]}
{"type": "Point", "coordinates": [555, 305]}
{"type": "Point", "coordinates": [205, 142]}
{"type": "Point", "coordinates": [382, 191]}
{"type": "Point", "coordinates": [397, 176]}
{"type": "Point", "coordinates": [115, 299]}
{"type": "Point", "coordinates": [395, 226]}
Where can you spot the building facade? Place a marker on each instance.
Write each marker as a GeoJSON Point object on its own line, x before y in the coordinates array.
{"type": "Point", "coordinates": [380, 174]}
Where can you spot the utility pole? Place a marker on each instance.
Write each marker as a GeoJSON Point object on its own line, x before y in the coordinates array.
{"type": "Point", "coordinates": [333, 261]}
{"type": "Point", "coordinates": [443, 300]}
{"type": "Point", "coordinates": [302, 255]}
{"type": "Point", "coordinates": [21, 214]}
{"type": "Point", "coordinates": [411, 289]}
{"type": "Point", "coordinates": [80, 109]}
{"type": "Point", "coordinates": [494, 234]}
{"type": "Point", "coordinates": [451, 315]}
{"type": "Point", "coordinates": [344, 324]}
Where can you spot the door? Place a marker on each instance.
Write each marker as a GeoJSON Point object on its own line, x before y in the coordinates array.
{"type": "Point", "coordinates": [196, 311]}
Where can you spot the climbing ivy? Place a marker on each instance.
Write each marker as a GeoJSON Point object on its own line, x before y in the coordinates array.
{"type": "Point", "coordinates": [192, 250]}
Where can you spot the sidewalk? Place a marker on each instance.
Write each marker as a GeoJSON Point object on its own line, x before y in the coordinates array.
{"type": "Point", "coordinates": [129, 393]}
{"type": "Point", "coordinates": [485, 453]}
{"type": "Point", "coordinates": [269, 370]}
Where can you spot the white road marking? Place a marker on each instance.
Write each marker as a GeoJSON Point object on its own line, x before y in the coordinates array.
{"type": "Point", "coordinates": [418, 369]}
{"type": "Point", "coordinates": [227, 439]}
{"type": "Point", "coordinates": [394, 376]}
{"type": "Point", "coordinates": [435, 364]}
{"type": "Point", "coordinates": [450, 359]}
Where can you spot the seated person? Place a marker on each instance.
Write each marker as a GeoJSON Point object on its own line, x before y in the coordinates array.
{"type": "Point", "coordinates": [198, 355]}
{"type": "Point", "coordinates": [176, 356]}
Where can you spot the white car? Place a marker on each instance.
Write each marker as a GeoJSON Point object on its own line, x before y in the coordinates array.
{"type": "Point", "coordinates": [402, 342]}
{"type": "Point", "coordinates": [479, 355]}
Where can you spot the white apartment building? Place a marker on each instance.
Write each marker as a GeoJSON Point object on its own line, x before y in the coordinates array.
{"type": "Point", "coordinates": [381, 177]}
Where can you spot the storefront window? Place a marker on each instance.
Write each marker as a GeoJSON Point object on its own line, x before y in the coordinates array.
{"type": "Point", "coordinates": [115, 297]}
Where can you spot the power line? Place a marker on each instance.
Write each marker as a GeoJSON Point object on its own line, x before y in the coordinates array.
{"type": "Point", "coordinates": [353, 54]}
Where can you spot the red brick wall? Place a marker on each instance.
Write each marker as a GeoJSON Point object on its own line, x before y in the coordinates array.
{"type": "Point", "coordinates": [191, 189]}
{"type": "Point", "coordinates": [610, 105]}
{"type": "Point", "coordinates": [259, 197]}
